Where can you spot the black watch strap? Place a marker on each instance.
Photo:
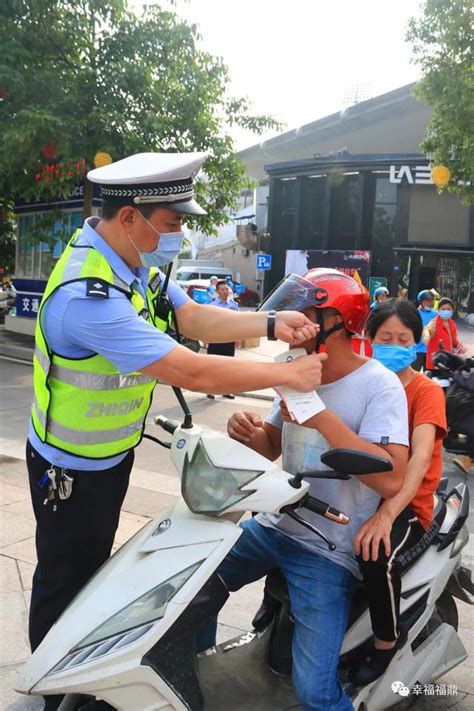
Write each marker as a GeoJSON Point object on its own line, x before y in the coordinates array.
{"type": "Point", "coordinates": [271, 323]}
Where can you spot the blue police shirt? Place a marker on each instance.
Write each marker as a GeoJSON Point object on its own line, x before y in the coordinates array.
{"type": "Point", "coordinates": [231, 305]}
{"type": "Point", "coordinates": [426, 317]}
{"type": "Point", "coordinates": [77, 326]}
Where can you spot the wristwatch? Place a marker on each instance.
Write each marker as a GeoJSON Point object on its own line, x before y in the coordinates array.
{"type": "Point", "coordinates": [271, 322]}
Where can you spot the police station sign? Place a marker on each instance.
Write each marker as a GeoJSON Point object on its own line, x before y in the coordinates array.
{"type": "Point", "coordinates": [414, 175]}
{"type": "Point", "coordinates": [27, 304]}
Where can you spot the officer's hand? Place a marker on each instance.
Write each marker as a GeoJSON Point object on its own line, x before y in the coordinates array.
{"type": "Point", "coordinates": [242, 425]}
{"type": "Point", "coordinates": [294, 328]}
{"type": "Point", "coordinates": [304, 374]}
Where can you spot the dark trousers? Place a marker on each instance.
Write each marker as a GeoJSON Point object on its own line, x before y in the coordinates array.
{"type": "Point", "coordinates": [382, 579]}
{"type": "Point", "coordinates": [420, 362]}
{"type": "Point", "coordinates": [221, 349]}
{"type": "Point", "coordinates": [73, 541]}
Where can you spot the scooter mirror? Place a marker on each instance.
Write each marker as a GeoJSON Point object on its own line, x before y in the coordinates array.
{"type": "Point", "coordinates": [351, 461]}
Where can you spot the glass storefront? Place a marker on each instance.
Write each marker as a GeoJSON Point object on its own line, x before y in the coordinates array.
{"type": "Point", "coordinates": [36, 261]}
{"type": "Point", "coordinates": [385, 204]}
{"type": "Point", "coordinates": [383, 228]}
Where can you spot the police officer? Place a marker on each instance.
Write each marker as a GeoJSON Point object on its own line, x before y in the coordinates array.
{"type": "Point", "coordinates": [101, 345]}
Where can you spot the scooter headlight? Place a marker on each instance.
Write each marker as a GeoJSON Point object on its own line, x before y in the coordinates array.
{"type": "Point", "coordinates": [147, 608]}
{"type": "Point", "coordinates": [210, 489]}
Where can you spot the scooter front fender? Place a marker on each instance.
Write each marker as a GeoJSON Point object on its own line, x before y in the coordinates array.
{"type": "Point", "coordinates": [134, 570]}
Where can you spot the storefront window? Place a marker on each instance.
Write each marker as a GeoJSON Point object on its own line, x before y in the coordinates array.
{"type": "Point", "coordinates": [37, 261]}
{"type": "Point", "coordinates": [383, 230]}
{"type": "Point", "coordinates": [284, 222]}
{"type": "Point", "coordinates": [344, 212]}
{"type": "Point", "coordinates": [313, 196]}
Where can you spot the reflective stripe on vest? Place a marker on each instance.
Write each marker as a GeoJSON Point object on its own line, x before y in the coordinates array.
{"type": "Point", "coordinates": [85, 406]}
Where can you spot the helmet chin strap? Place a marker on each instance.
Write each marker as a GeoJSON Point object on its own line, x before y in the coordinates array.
{"type": "Point", "coordinates": [322, 334]}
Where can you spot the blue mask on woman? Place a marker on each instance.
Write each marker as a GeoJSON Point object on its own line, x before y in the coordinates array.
{"type": "Point", "coordinates": [445, 314]}
{"type": "Point", "coordinates": [168, 247]}
{"type": "Point", "coordinates": [395, 358]}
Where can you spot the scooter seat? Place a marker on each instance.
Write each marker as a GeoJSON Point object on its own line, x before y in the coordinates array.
{"type": "Point", "coordinates": [277, 587]}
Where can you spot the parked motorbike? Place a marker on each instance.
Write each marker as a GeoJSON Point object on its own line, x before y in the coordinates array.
{"type": "Point", "coordinates": [129, 636]}
{"type": "Point", "coordinates": [7, 298]}
{"type": "Point", "coordinates": [456, 376]}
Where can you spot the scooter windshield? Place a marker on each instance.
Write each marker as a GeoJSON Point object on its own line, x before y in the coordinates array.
{"type": "Point", "coordinates": [294, 293]}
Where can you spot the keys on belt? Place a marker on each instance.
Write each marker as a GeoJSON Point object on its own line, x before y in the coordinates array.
{"type": "Point", "coordinates": [57, 484]}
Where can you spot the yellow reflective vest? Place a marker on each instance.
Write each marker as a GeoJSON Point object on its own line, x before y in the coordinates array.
{"type": "Point", "coordinates": [85, 406]}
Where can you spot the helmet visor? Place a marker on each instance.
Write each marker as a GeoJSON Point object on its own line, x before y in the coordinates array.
{"type": "Point", "coordinates": [294, 293]}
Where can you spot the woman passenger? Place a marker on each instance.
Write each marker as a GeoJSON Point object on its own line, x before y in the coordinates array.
{"type": "Point", "coordinates": [441, 333]}
{"type": "Point", "coordinates": [395, 328]}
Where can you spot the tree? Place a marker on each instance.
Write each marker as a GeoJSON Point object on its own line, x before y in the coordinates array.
{"type": "Point", "coordinates": [7, 237]}
{"type": "Point", "coordinates": [443, 48]}
{"type": "Point", "coordinates": [79, 77]}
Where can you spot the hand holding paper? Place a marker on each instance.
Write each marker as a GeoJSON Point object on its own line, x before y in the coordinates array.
{"type": "Point", "coordinates": [301, 406]}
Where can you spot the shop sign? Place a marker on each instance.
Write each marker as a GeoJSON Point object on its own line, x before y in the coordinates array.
{"type": "Point", "coordinates": [27, 304]}
{"type": "Point", "coordinates": [419, 175]}
{"type": "Point", "coordinates": [356, 263]}
{"type": "Point", "coordinates": [376, 283]}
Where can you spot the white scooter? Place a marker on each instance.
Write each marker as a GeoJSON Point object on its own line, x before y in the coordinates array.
{"type": "Point", "coordinates": [129, 637]}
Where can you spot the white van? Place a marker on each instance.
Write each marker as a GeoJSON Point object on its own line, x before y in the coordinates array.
{"type": "Point", "coordinates": [189, 273]}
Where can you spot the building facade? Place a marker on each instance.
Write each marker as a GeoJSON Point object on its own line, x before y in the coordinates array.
{"type": "Point", "coordinates": [356, 180]}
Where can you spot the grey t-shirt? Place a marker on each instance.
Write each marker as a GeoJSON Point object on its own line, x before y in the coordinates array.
{"type": "Point", "coordinates": [371, 402]}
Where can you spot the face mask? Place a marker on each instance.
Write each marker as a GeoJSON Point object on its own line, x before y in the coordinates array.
{"type": "Point", "coordinates": [445, 314]}
{"type": "Point", "coordinates": [168, 247]}
{"type": "Point", "coordinates": [427, 308]}
{"type": "Point", "coordinates": [395, 358]}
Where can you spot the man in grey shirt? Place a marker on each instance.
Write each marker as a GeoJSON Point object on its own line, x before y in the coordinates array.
{"type": "Point", "coordinates": [366, 410]}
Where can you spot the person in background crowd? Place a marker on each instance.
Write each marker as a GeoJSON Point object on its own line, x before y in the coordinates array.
{"type": "Point", "coordinates": [401, 520]}
{"type": "Point", "coordinates": [425, 300]}
{"type": "Point", "coordinates": [381, 294]}
{"type": "Point", "coordinates": [402, 294]}
{"type": "Point", "coordinates": [211, 289]}
{"type": "Point", "coordinates": [230, 284]}
{"type": "Point", "coordinates": [437, 297]}
{"type": "Point", "coordinates": [223, 300]}
{"type": "Point", "coordinates": [441, 332]}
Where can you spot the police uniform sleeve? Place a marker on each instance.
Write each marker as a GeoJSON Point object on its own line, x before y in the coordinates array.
{"type": "Point", "coordinates": [113, 329]}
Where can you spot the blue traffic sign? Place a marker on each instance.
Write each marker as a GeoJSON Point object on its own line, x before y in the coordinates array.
{"type": "Point", "coordinates": [264, 261]}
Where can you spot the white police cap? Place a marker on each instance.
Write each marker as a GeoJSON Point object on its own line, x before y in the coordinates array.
{"type": "Point", "coordinates": [162, 178]}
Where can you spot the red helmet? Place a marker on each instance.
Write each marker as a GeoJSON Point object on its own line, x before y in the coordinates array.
{"type": "Point", "coordinates": [322, 288]}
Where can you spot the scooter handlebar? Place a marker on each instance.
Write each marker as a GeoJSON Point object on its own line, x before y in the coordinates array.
{"type": "Point", "coordinates": [323, 509]}
{"type": "Point", "coordinates": [168, 425]}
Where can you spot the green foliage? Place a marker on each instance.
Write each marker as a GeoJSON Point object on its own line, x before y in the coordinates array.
{"type": "Point", "coordinates": [442, 42]}
{"type": "Point", "coordinates": [90, 75]}
{"type": "Point", "coordinates": [7, 236]}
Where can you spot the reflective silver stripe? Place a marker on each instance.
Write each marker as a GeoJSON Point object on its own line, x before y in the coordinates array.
{"type": "Point", "coordinates": [77, 260]}
{"type": "Point", "coordinates": [42, 359]}
{"type": "Point", "coordinates": [96, 381]}
{"type": "Point", "coordinates": [80, 437]}
{"type": "Point", "coordinates": [75, 263]}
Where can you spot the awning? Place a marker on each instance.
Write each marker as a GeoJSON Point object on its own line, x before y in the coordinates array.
{"type": "Point", "coordinates": [245, 214]}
